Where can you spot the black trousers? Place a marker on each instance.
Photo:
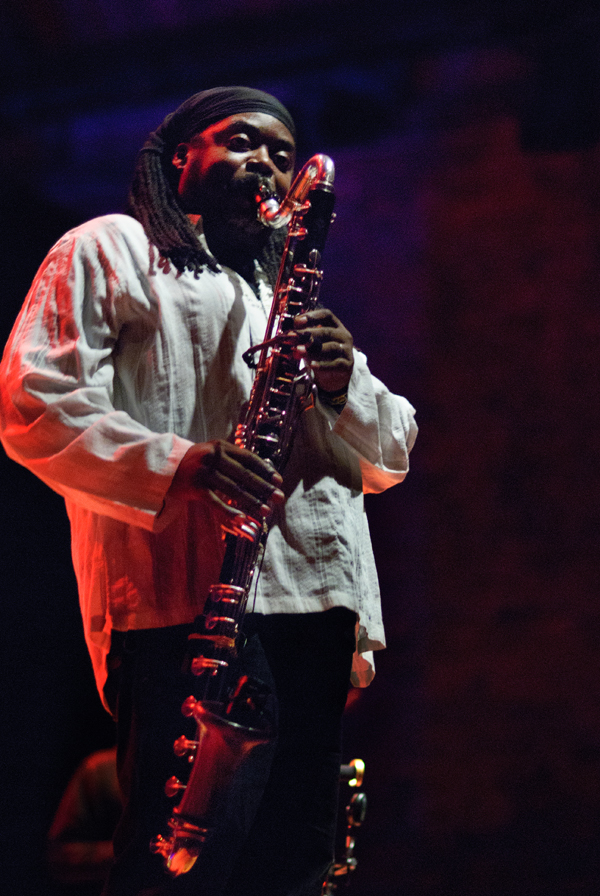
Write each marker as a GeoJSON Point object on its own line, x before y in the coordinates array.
{"type": "Point", "coordinates": [275, 834]}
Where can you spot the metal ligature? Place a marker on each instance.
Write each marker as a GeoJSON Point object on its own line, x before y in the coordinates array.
{"type": "Point", "coordinates": [228, 709]}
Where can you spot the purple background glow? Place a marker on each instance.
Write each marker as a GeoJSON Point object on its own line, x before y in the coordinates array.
{"type": "Point", "coordinates": [465, 258]}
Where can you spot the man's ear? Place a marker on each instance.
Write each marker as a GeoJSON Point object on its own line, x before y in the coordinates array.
{"type": "Point", "coordinates": [180, 158]}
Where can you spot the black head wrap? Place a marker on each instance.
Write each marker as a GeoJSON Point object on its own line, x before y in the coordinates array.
{"type": "Point", "coordinates": [151, 199]}
{"type": "Point", "coordinates": [203, 109]}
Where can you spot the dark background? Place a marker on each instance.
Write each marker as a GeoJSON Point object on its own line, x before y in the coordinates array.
{"type": "Point", "coordinates": [465, 258]}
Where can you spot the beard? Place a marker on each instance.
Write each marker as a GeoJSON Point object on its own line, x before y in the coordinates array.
{"type": "Point", "coordinates": [235, 235]}
{"type": "Point", "coordinates": [233, 203]}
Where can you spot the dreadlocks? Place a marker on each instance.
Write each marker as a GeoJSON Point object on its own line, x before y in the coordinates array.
{"type": "Point", "coordinates": [154, 204]}
{"type": "Point", "coordinates": [153, 198]}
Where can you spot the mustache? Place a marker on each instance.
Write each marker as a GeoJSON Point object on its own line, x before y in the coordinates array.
{"type": "Point", "coordinates": [247, 186]}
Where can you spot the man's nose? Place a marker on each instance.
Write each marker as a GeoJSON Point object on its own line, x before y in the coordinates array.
{"type": "Point", "coordinates": [260, 162]}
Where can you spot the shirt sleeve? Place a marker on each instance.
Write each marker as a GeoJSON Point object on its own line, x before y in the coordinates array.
{"type": "Point", "coordinates": [379, 426]}
{"type": "Point", "coordinates": [57, 416]}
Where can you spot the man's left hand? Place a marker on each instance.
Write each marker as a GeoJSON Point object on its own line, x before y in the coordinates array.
{"type": "Point", "coordinates": [326, 345]}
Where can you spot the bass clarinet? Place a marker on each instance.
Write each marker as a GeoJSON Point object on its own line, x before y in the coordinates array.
{"type": "Point", "coordinates": [229, 710]}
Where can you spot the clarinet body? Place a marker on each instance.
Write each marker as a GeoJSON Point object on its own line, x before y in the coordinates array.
{"type": "Point", "coordinates": [229, 710]}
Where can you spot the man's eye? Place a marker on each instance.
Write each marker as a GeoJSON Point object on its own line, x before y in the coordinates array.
{"type": "Point", "coordinates": [239, 143]}
{"type": "Point", "coordinates": [283, 162]}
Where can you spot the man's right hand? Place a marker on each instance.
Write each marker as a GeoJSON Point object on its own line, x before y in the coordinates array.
{"type": "Point", "coordinates": [222, 471]}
